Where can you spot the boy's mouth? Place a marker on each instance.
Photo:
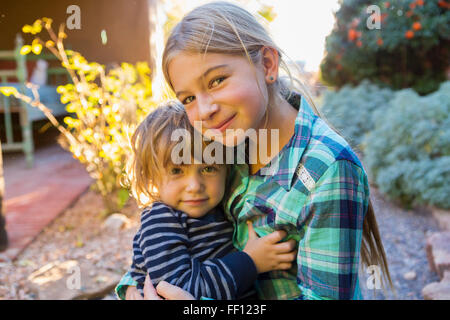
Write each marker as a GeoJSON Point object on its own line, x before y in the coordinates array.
{"type": "Point", "coordinates": [195, 202]}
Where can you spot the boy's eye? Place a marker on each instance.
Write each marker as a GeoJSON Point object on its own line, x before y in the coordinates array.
{"type": "Point", "coordinates": [188, 100]}
{"type": "Point", "coordinates": [216, 82]}
{"type": "Point", "coordinates": [209, 169]}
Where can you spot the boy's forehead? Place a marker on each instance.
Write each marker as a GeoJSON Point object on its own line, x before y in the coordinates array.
{"type": "Point", "coordinates": [192, 163]}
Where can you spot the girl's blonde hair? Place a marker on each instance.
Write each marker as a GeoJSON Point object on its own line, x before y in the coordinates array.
{"type": "Point", "coordinates": [152, 147]}
{"type": "Point", "coordinates": [225, 28]}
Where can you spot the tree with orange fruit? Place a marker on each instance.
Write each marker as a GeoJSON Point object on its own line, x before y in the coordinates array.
{"type": "Point", "coordinates": [411, 48]}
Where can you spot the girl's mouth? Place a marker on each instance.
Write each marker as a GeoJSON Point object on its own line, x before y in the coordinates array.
{"type": "Point", "coordinates": [225, 124]}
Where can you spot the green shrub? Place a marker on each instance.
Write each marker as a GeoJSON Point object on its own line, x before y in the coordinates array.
{"type": "Point", "coordinates": [107, 106]}
{"type": "Point", "coordinates": [408, 153]}
{"type": "Point", "coordinates": [350, 110]}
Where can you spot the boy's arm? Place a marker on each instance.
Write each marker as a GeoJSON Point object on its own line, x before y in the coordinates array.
{"type": "Point", "coordinates": [165, 247]}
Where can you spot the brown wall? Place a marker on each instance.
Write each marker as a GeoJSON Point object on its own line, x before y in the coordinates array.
{"type": "Point", "coordinates": [125, 22]}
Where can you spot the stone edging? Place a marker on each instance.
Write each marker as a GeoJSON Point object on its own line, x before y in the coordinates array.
{"type": "Point", "coordinates": [438, 254]}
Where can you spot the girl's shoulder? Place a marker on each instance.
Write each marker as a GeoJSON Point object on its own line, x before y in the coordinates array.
{"type": "Point", "coordinates": [328, 159]}
{"type": "Point", "coordinates": [317, 146]}
{"type": "Point", "coordinates": [328, 146]}
{"type": "Point", "coordinates": [323, 142]}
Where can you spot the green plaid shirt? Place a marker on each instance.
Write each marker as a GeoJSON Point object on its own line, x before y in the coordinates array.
{"type": "Point", "coordinates": [319, 194]}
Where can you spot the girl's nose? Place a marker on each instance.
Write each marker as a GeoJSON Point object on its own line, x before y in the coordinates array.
{"type": "Point", "coordinates": [206, 107]}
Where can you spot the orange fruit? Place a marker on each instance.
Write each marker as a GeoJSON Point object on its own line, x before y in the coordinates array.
{"type": "Point", "coordinates": [352, 35]}
{"type": "Point", "coordinates": [409, 34]}
{"type": "Point", "coordinates": [442, 4]}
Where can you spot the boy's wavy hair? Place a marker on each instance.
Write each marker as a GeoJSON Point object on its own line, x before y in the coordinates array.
{"type": "Point", "coordinates": [226, 28]}
{"type": "Point", "coordinates": [152, 147]}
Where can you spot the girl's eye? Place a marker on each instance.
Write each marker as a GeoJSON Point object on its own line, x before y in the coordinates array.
{"type": "Point", "coordinates": [188, 100]}
{"type": "Point", "coordinates": [216, 82]}
{"type": "Point", "coordinates": [209, 169]}
{"type": "Point", "coordinates": [176, 171]}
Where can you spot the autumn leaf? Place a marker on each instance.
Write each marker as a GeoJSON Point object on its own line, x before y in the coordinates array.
{"type": "Point", "coordinates": [26, 49]}
{"type": "Point", "coordinates": [37, 48]}
{"type": "Point", "coordinates": [7, 91]}
{"type": "Point", "coordinates": [27, 28]}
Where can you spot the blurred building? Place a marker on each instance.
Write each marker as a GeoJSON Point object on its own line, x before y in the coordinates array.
{"type": "Point", "coordinates": [126, 24]}
{"type": "Point", "coordinates": [109, 32]}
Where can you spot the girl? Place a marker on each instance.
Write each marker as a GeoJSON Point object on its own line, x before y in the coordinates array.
{"type": "Point", "coordinates": [224, 67]}
{"type": "Point", "coordinates": [184, 237]}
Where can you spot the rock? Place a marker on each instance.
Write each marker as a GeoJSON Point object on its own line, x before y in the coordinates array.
{"type": "Point", "coordinates": [70, 280]}
{"type": "Point", "coordinates": [411, 275]}
{"type": "Point", "coordinates": [438, 290]}
{"type": "Point", "coordinates": [116, 222]}
{"type": "Point", "coordinates": [438, 252]}
{"type": "Point", "coordinates": [443, 218]}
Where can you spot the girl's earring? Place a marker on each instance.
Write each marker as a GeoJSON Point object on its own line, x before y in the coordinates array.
{"type": "Point", "coordinates": [271, 78]}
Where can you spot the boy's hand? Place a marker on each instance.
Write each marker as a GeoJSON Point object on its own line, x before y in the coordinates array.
{"type": "Point", "coordinates": [267, 253]}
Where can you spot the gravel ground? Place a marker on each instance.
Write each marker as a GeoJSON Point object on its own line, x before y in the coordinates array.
{"type": "Point", "coordinates": [404, 234]}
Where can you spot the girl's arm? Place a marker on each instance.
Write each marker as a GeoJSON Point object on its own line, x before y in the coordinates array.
{"type": "Point", "coordinates": [135, 273]}
{"type": "Point", "coordinates": [266, 253]}
{"type": "Point", "coordinates": [125, 282]}
{"type": "Point", "coordinates": [329, 253]}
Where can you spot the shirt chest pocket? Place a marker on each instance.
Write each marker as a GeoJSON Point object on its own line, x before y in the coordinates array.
{"type": "Point", "coordinates": [268, 218]}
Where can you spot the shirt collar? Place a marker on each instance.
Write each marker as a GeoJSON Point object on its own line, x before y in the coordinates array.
{"type": "Point", "coordinates": [289, 157]}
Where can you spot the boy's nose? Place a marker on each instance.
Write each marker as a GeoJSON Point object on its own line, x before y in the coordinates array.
{"type": "Point", "coordinates": [194, 184]}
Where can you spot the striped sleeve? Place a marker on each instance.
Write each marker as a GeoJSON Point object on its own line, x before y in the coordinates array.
{"type": "Point", "coordinates": [328, 255]}
{"type": "Point", "coordinates": [162, 249]}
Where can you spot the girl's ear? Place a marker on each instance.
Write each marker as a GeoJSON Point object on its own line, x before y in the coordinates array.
{"type": "Point", "coordinates": [270, 62]}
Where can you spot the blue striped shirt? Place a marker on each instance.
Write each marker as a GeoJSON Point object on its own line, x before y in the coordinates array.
{"type": "Point", "coordinates": [195, 254]}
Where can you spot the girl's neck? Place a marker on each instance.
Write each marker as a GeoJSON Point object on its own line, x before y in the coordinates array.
{"type": "Point", "coordinates": [281, 117]}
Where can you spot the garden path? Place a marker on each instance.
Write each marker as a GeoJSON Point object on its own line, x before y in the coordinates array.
{"type": "Point", "coordinates": [404, 234]}
{"type": "Point", "coordinates": [34, 197]}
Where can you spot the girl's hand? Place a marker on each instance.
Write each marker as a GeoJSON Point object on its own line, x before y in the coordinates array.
{"type": "Point", "coordinates": [170, 292]}
{"type": "Point", "coordinates": [267, 253]}
{"type": "Point", "coordinates": [132, 293]}
{"type": "Point", "coordinates": [164, 290]}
